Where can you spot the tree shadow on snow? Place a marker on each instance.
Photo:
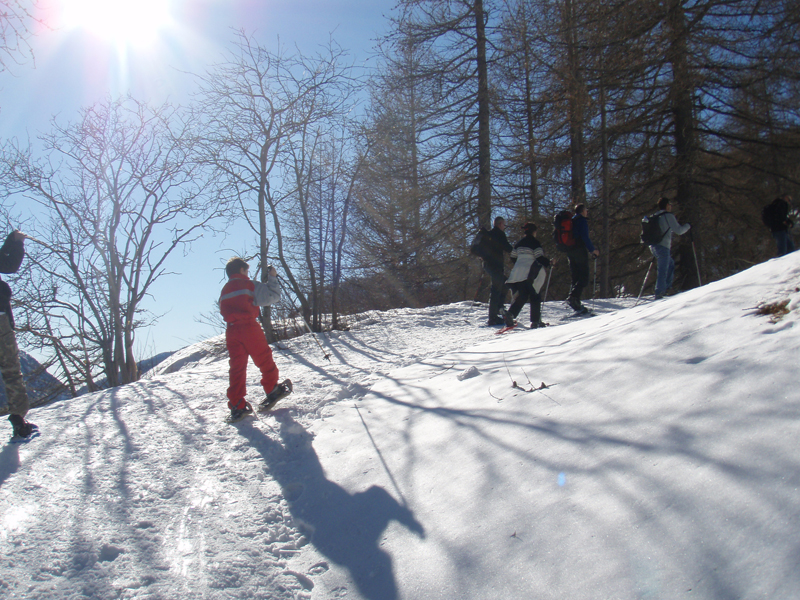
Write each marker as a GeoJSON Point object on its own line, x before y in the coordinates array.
{"type": "Point", "coordinates": [344, 527]}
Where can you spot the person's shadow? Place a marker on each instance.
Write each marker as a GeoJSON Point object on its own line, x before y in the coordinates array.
{"type": "Point", "coordinates": [345, 528]}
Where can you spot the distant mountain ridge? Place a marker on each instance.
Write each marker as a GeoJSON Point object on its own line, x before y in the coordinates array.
{"type": "Point", "coordinates": [42, 387]}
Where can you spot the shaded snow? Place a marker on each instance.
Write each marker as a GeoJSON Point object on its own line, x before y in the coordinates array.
{"type": "Point", "coordinates": [648, 452]}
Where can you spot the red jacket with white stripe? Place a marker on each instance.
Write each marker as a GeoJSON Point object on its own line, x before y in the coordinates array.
{"type": "Point", "coordinates": [242, 296]}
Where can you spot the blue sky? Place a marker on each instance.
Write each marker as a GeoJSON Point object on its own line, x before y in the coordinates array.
{"type": "Point", "coordinates": [76, 66]}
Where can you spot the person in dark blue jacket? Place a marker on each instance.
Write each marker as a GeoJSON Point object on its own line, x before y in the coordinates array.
{"type": "Point", "coordinates": [11, 255]}
{"type": "Point", "coordinates": [578, 257]}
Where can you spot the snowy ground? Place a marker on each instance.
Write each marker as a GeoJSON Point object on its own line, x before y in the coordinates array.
{"type": "Point", "coordinates": [426, 460]}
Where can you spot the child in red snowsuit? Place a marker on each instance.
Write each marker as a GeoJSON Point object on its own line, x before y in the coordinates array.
{"type": "Point", "coordinates": [238, 305]}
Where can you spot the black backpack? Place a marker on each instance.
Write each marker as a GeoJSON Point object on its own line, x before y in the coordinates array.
{"type": "Point", "coordinates": [562, 231]}
{"type": "Point", "coordinates": [651, 229]}
{"type": "Point", "coordinates": [478, 247]}
{"type": "Point", "coordinates": [770, 216]}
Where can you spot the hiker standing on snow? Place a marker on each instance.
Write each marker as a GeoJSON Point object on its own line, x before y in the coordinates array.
{"type": "Point", "coordinates": [495, 245]}
{"type": "Point", "coordinates": [245, 338]}
{"type": "Point", "coordinates": [578, 256]}
{"type": "Point", "coordinates": [11, 255]}
{"type": "Point", "coordinates": [776, 216]}
{"type": "Point", "coordinates": [661, 250]}
{"type": "Point", "coordinates": [527, 276]}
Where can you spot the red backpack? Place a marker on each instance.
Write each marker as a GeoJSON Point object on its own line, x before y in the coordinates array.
{"type": "Point", "coordinates": [562, 230]}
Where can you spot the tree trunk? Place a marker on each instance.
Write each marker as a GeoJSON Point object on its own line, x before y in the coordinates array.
{"type": "Point", "coordinates": [484, 142]}
{"type": "Point", "coordinates": [577, 101]}
{"type": "Point", "coordinates": [682, 101]}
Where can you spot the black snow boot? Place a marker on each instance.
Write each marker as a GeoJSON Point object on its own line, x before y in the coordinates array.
{"type": "Point", "coordinates": [237, 414]}
{"type": "Point", "coordinates": [279, 391]}
{"type": "Point", "coordinates": [22, 429]}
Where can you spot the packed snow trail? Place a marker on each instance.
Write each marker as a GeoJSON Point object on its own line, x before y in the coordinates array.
{"type": "Point", "coordinates": [646, 452]}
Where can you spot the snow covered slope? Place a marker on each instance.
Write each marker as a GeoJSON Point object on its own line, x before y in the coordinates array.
{"type": "Point", "coordinates": [646, 452]}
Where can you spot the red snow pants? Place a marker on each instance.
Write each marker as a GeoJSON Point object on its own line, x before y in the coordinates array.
{"type": "Point", "coordinates": [247, 340]}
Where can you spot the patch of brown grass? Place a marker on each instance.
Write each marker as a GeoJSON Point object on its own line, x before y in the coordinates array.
{"type": "Point", "coordinates": [775, 310]}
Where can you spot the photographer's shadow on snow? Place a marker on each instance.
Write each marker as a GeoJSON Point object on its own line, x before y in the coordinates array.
{"type": "Point", "coordinates": [344, 527]}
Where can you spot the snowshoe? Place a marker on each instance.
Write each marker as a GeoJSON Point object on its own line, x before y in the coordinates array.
{"type": "Point", "coordinates": [280, 391]}
{"type": "Point", "coordinates": [579, 314]}
{"type": "Point", "coordinates": [539, 325]}
{"type": "Point", "coordinates": [23, 430]}
{"type": "Point", "coordinates": [237, 414]}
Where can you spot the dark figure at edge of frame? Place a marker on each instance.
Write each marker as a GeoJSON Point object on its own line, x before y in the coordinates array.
{"type": "Point", "coordinates": [11, 255]}
{"type": "Point", "coordinates": [496, 244]}
{"type": "Point", "coordinates": [578, 257]}
{"type": "Point", "coordinates": [527, 276]}
{"type": "Point", "coordinates": [776, 217]}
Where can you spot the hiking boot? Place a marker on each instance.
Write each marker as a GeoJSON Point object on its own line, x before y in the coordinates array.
{"type": "Point", "coordinates": [538, 325]}
{"type": "Point", "coordinates": [279, 391]}
{"type": "Point", "coordinates": [574, 303]}
{"type": "Point", "coordinates": [508, 319]}
{"type": "Point", "coordinates": [22, 429]}
{"type": "Point", "coordinates": [240, 413]}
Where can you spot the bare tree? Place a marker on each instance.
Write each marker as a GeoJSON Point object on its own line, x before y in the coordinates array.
{"type": "Point", "coordinates": [119, 193]}
{"type": "Point", "coordinates": [265, 115]}
{"type": "Point", "coordinates": [243, 110]}
{"type": "Point", "coordinates": [15, 28]}
{"type": "Point", "coordinates": [323, 89]}
{"type": "Point", "coordinates": [455, 33]}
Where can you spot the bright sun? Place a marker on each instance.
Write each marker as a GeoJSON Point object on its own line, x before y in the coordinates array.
{"type": "Point", "coordinates": [122, 22]}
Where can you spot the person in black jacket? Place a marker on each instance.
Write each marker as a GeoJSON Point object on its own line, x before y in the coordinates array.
{"type": "Point", "coordinates": [527, 276]}
{"type": "Point", "coordinates": [776, 216]}
{"type": "Point", "coordinates": [495, 245]}
{"type": "Point", "coordinates": [11, 255]}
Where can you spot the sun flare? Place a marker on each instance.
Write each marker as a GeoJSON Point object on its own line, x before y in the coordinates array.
{"type": "Point", "coordinates": [122, 22]}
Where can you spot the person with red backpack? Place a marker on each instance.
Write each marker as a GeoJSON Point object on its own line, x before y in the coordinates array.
{"type": "Point", "coordinates": [578, 257]}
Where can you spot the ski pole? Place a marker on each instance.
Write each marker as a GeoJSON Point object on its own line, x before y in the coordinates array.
{"type": "Point", "coordinates": [694, 252]}
{"type": "Point", "coordinates": [547, 287]}
{"type": "Point", "coordinates": [41, 243]}
{"type": "Point", "coordinates": [646, 275]}
{"type": "Point", "coordinates": [696, 264]}
{"type": "Point", "coordinates": [325, 354]}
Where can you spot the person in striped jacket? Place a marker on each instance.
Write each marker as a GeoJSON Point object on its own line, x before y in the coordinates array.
{"type": "Point", "coordinates": [527, 277]}
{"type": "Point", "coordinates": [239, 305]}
